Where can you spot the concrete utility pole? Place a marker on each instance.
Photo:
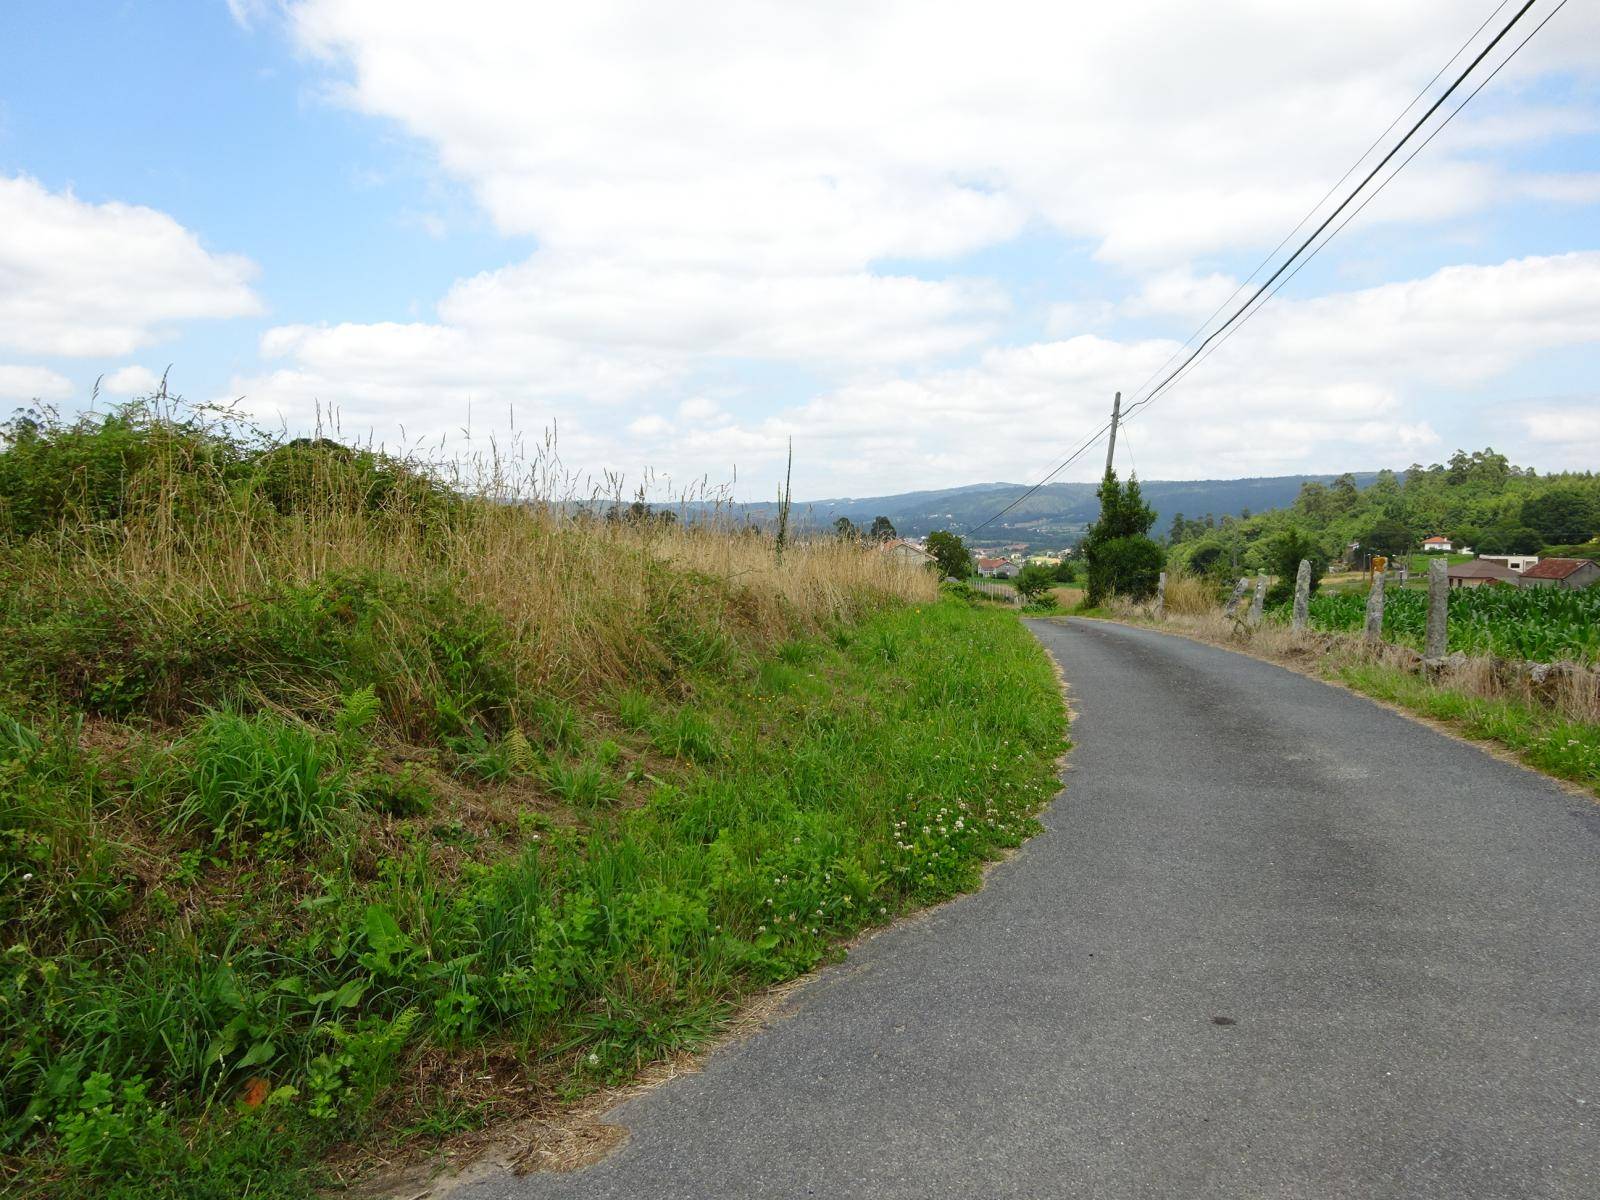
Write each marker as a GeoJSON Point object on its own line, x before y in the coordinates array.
{"type": "Point", "coordinates": [1116, 414]}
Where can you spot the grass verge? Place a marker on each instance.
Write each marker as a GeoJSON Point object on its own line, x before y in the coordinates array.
{"type": "Point", "coordinates": [247, 945]}
{"type": "Point", "coordinates": [347, 804]}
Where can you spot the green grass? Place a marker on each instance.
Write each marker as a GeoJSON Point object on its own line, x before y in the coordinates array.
{"type": "Point", "coordinates": [316, 900]}
{"type": "Point", "coordinates": [1563, 748]}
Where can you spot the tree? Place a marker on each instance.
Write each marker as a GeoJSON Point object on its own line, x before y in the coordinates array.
{"type": "Point", "coordinates": [1175, 534]}
{"type": "Point", "coordinates": [1121, 558]}
{"type": "Point", "coordinates": [1345, 496]}
{"type": "Point", "coordinates": [1509, 539]}
{"type": "Point", "coordinates": [846, 529]}
{"type": "Point", "coordinates": [1312, 500]}
{"type": "Point", "coordinates": [1389, 537]}
{"type": "Point", "coordinates": [1035, 580]}
{"type": "Point", "coordinates": [882, 530]}
{"type": "Point", "coordinates": [1284, 553]}
{"type": "Point", "coordinates": [1562, 515]}
{"type": "Point", "coordinates": [950, 552]}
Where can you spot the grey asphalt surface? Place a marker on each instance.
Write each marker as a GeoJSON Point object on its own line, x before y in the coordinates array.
{"type": "Point", "coordinates": [1400, 927]}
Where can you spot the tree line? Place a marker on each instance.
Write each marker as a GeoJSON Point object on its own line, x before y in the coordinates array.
{"type": "Point", "coordinates": [1478, 499]}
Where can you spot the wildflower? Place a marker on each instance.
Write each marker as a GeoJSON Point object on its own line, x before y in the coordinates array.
{"type": "Point", "coordinates": [594, 1059]}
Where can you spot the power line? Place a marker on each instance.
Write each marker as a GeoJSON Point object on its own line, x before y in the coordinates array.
{"type": "Point", "coordinates": [1062, 466]}
{"type": "Point", "coordinates": [1349, 171]}
{"type": "Point", "coordinates": [1373, 195]}
{"type": "Point", "coordinates": [1343, 204]}
{"type": "Point", "coordinates": [1196, 356]}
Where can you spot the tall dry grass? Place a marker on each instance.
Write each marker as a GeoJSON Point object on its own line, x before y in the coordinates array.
{"type": "Point", "coordinates": [1189, 595]}
{"type": "Point", "coordinates": [589, 584]}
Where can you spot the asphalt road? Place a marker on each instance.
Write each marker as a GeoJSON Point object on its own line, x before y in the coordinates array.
{"type": "Point", "coordinates": [1276, 942]}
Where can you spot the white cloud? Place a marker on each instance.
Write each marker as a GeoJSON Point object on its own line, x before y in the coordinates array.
{"type": "Point", "coordinates": [774, 137]}
{"type": "Point", "coordinates": [130, 381]}
{"type": "Point", "coordinates": [1566, 435]}
{"type": "Point", "coordinates": [80, 279]}
{"type": "Point", "coordinates": [20, 384]}
{"type": "Point", "coordinates": [1320, 384]}
{"type": "Point", "coordinates": [777, 183]}
{"type": "Point", "coordinates": [1181, 294]}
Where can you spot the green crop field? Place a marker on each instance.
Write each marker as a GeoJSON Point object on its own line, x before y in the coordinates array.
{"type": "Point", "coordinates": [1539, 624]}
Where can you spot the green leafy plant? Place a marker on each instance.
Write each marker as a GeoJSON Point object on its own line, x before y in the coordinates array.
{"type": "Point", "coordinates": [240, 776]}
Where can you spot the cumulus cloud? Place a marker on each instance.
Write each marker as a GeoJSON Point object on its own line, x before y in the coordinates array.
{"type": "Point", "coordinates": [130, 381]}
{"type": "Point", "coordinates": [82, 280]}
{"type": "Point", "coordinates": [779, 137]}
{"type": "Point", "coordinates": [21, 384]}
{"type": "Point", "coordinates": [789, 184]}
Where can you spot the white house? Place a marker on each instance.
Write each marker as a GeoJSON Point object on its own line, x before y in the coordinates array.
{"type": "Point", "coordinates": [1437, 545]}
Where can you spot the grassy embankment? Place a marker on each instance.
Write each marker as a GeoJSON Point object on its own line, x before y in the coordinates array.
{"type": "Point", "coordinates": [1550, 723]}
{"type": "Point", "coordinates": [338, 810]}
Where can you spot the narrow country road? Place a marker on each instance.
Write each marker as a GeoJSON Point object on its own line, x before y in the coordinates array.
{"type": "Point", "coordinates": [1275, 942]}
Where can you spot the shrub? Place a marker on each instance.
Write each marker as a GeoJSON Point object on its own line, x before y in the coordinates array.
{"type": "Point", "coordinates": [1128, 567]}
{"type": "Point", "coordinates": [1284, 555]}
{"type": "Point", "coordinates": [1120, 558]}
{"type": "Point", "coordinates": [1035, 581]}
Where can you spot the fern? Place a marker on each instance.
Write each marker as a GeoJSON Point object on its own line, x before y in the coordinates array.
{"type": "Point", "coordinates": [519, 752]}
{"type": "Point", "coordinates": [359, 711]}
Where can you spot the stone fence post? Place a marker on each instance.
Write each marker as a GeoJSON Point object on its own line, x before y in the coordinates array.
{"type": "Point", "coordinates": [1238, 595]}
{"type": "Point", "coordinates": [1437, 642]}
{"type": "Point", "coordinates": [1374, 630]}
{"type": "Point", "coordinates": [1302, 596]}
{"type": "Point", "coordinates": [1258, 602]}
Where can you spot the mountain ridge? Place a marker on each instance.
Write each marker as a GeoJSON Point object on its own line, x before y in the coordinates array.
{"type": "Point", "coordinates": [1056, 514]}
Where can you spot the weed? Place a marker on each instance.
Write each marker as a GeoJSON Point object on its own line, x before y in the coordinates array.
{"type": "Point", "coordinates": [581, 784]}
{"type": "Point", "coordinates": [685, 733]}
{"type": "Point", "coordinates": [242, 776]}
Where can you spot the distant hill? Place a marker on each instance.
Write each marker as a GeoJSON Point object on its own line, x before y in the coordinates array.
{"type": "Point", "coordinates": [1056, 514]}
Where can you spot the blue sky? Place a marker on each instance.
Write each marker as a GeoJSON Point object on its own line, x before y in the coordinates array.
{"type": "Point", "coordinates": [924, 241]}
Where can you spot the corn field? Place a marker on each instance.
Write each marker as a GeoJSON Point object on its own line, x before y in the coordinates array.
{"type": "Point", "coordinates": [1538, 624]}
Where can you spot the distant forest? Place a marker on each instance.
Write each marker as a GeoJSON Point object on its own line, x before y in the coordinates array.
{"type": "Point", "coordinates": [1478, 498]}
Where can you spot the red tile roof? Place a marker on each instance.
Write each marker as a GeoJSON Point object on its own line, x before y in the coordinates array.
{"type": "Point", "coordinates": [1556, 568]}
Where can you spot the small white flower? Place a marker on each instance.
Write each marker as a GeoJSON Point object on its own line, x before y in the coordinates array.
{"type": "Point", "coordinates": [594, 1059]}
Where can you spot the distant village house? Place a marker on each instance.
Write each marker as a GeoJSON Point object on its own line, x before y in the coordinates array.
{"type": "Point", "coordinates": [1479, 572]}
{"type": "Point", "coordinates": [1437, 544]}
{"type": "Point", "coordinates": [1570, 573]}
{"type": "Point", "coordinates": [1513, 562]}
{"type": "Point", "coordinates": [909, 552]}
